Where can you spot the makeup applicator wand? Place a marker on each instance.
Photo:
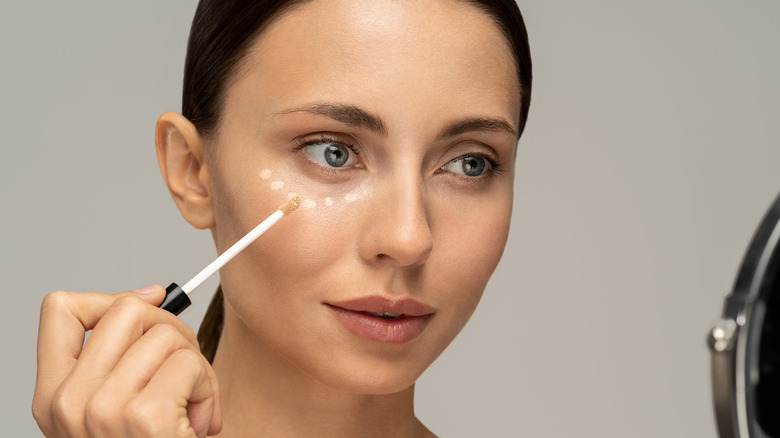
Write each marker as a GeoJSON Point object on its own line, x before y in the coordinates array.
{"type": "Point", "coordinates": [177, 298]}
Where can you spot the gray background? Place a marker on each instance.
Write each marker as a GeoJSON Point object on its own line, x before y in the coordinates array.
{"type": "Point", "coordinates": [650, 155]}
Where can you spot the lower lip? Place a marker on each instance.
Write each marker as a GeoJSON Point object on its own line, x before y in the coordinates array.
{"type": "Point", "coordinates": [389, 331]}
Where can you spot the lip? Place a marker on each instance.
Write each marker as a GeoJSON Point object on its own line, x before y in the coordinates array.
{"type": "Point", "coordinates": [353, 315]}
{"type": "Point", "coordinates": [379, 304]}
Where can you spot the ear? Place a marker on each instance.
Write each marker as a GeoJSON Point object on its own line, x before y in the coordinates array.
{"type": "Point", "coordinates": [180, 153]}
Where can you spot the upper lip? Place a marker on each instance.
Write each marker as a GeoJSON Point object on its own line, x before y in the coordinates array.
{"type": "Point", "coordinates": [382, 304]}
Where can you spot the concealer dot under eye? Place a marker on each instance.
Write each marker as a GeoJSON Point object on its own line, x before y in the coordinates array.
{"type": "Point", "coordinates": [308, 202]}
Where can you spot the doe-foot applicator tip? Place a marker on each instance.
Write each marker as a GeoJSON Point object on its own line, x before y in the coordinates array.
{"type": "Point", "coordinates": [290, 206]}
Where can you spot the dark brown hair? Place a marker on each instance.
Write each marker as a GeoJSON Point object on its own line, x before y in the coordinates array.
{"type": "Point", "coordinates": [221, 34]}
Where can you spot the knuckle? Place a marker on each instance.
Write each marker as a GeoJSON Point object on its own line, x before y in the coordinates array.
{"type": "Point", "coordinates": [100, 411]}
{"type": "Point", "coordinates": [40, 411]}
{"type": "Point", "coordinates": [165, 331]}
{"type": "Point", "coordinates": [182, 331]}
{"type": "Point", "coordinates": [140, 412]}
{"type": "Point", "coordinates": [66, 406]}
{"type": "Point", "coordinates": [58, 298]}
{"type": "Point", "coordinates": [188, 356]}
{"type": "Point", "coordinates": [173, 335]}
{"type": "Point", "coordinates": [130, 305]}
{"type": "Point", "coordinates": [190, 336]}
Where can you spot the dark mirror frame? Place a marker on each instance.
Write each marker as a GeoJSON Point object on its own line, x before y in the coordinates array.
{"type": "Point", "coordinates": [744, 341]}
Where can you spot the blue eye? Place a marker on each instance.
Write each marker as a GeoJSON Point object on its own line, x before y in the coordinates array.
{"type": "Point", "coordinates": [331, 154]}
{"type": "Point", "coordinates": [469, 166]}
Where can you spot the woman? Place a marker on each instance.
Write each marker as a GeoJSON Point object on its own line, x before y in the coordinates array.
{"type": "Point", "coordinates": [397, 124]}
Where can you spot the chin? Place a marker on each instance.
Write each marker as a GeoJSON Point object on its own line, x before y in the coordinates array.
{"type": "Point", "coordinates": [379, 370]}
{"type": "Point", "coordinates": [370, 382]}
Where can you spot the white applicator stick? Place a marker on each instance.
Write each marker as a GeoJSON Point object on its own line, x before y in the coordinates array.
{"type": "Point", "coordinates": [177, 298]}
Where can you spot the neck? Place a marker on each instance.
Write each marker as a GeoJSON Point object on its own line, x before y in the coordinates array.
{"type": "Point", "coordinates": [264, 394]}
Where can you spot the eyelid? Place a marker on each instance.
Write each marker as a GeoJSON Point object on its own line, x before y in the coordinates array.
{"type": "Point", "coordinates": [309, 140]}
{"type": "Point", "coordinates": [493, 166]}
{"type": "Point", "coordinates": [471, 148]}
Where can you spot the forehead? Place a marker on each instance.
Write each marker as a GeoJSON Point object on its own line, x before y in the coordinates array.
{"type": "Point", "coordinates": [377, 52]}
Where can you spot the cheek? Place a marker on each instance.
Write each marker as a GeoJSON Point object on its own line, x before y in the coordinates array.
{"type": "Point", "coordinates": [250, 196]}
{"type": "Point", "coordinates": [470, 247]}
{"type": "Point", "coordinates": [303, 250]}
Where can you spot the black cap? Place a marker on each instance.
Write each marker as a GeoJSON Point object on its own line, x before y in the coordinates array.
{"type": "Point", "coordinates": [175, 299]}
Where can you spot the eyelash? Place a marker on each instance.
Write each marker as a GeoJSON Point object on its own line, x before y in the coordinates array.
{"type": "Point", "coordinates": [496, 167]}
{"type": "Point", "coordinates": [302, 143]}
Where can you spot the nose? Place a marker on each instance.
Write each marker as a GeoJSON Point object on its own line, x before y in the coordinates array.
{"type": "Point", "coordinates": [399, 232]}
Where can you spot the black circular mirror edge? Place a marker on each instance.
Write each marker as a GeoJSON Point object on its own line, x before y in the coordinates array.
{"type": "Point", "coordinates": [733, 335]}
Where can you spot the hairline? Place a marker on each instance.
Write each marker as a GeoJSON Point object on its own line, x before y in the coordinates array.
{"type": "Point", "coordinates": [242, 63]}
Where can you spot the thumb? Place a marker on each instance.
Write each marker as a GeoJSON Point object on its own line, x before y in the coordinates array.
{"type": "Point", "coordinates": [154, 294]}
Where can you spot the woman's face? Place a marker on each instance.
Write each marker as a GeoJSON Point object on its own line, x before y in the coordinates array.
{"type": "Point", "coordinates": [396, 123]}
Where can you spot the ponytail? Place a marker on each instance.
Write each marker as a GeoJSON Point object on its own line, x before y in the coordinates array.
{"type": "Point", "coordinates": [211, 327]}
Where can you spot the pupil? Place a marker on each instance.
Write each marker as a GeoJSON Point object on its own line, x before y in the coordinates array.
{"type": "Point", "coordinates": [336, 155]}
{"type": "Point", "coordinates": [473, 166]}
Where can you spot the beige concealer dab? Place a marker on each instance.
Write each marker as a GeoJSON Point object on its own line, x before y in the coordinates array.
{"type": "Point", "coordinates": [351, 197]}
{"type": "Point", "coordinates": [310, 204]}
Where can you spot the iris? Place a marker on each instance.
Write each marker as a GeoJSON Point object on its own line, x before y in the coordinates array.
{"type": "Point", "coordinates": [473, 166]}
{"type": "Point", "coordinates": [336, 155]}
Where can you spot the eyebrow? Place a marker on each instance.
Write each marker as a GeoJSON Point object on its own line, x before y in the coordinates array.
{"type": "Point", "coordinates": [347, 114]}
{"type": "Point", "coordinates": [473, 124]}
{"type": "Point", "coordinates": [354, 116]}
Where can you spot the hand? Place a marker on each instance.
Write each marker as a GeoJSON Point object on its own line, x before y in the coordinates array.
{"type": "Point", "coordinates": [140, 373]}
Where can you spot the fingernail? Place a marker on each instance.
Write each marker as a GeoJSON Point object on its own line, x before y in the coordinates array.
{"type": "Point", "coordinates": [147, 289]}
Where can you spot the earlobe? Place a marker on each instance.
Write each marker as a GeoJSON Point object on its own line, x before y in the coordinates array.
{"type": "Point", "coordinates": [180, 153]}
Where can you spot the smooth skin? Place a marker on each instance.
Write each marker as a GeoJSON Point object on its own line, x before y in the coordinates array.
{"type": "Point", "coordinates": [412, 90]}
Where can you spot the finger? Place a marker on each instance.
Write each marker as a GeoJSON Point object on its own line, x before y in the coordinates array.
{"type": "Point", "coordinates": [215, 426]}
{"type": "Point", "coordinates": [65, 318]}
{"type": "Point", "coordinates": [122, 325]}
{"type": "Point", "coordinates": [182, 393]}
{"type": "Point", "coordinates": [130, 375]}
{"type": "Point", "coordinates": [136, 368]}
